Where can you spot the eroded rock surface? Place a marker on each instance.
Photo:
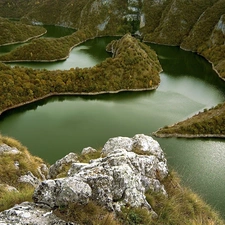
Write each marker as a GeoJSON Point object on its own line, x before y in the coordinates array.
{"type": "Point", "coordinates": [127, 169]}
{"type": "Point", "coordinates": [32, 214]}
{"type": "Point", "coordinates": [60, 164]}
{"type": "Point", "coordinates": [119, 178]}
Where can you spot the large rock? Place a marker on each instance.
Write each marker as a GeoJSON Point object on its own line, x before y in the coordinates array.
{"type": "Point", "coordinates": [121, 177]}
{"type": "Point", "coordinates": [60, 192]}
{"type": "Point", "coordinates": [127, 169]}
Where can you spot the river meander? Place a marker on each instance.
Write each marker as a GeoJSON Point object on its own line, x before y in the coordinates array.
{"type": "Point", "coordinates": [53, 127]}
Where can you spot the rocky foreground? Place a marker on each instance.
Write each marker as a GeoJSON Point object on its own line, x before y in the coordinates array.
{"type": "Point", "coordinates": [127, 168]}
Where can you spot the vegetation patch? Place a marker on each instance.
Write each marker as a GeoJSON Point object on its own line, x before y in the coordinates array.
{"type": "Point", "coordinates": [16, 32]}
{"type": "Point", "coordinates": [209, 123]}
{"type": "Point", "coordinates": [12, 167]}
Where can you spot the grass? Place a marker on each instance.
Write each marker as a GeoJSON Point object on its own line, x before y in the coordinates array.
{"type": "Point", "coordinates": [9, 174]}
{"type": "Point", "coordinates": [182, 206]}
{"type": "Point", "coordinates": [9, 198]}
{"type": "Point", "coordinates": [91, 214]}
{"type": "Point", "coordinates": [27, 162]}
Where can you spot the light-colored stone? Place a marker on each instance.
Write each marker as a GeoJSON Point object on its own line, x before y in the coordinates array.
{"type": "Point", "coordinates": [29, 178]}
{"type": "Point", "coordinates": [117, 143]}
{"type": "Point", "coordinates": [120, 178]}
{"type": "Point", "coordinates": [60, 192]}
{"type": "Point", "coordinates": [32, 214]}
{"type": "Point", "coordinates": [60, 164]}
{"type": "Point", "coordinates": [88, 150]}
{"type": "Point", "coordinates": [4, 148]}
{"type": "Point", "coordinates": [8, 188]}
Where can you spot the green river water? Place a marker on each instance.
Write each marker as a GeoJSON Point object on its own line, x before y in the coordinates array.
{"type": "Point", "coordinates": [53, 127]}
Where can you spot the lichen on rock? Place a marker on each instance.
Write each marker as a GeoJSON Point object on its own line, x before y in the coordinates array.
{"type": "Point", "coordinates": [127, 168]}
{"type": "Point", "coordinates": [119, 178]}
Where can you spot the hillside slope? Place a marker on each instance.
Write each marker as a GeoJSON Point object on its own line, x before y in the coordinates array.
{"type": "Point", "coordinates": [14, 32]}
{"type": "Point", "coordinates": [194, 25]}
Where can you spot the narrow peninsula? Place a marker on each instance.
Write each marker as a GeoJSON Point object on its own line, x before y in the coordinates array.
{"type": "Point", "coordinates": [133, 67]}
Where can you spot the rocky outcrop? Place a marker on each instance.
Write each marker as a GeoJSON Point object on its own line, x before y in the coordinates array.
{"type": "Point", "coordinates": [127, 169]}
{"type": "Point", "coordinates": [119, 178]}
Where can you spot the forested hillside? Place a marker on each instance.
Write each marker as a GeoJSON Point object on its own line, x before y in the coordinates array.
{"type": "Point", "coordinates": [13, 32]}
{"type": "Point", "coordinates": [194, 25]}
{"type": "Point", "coordinates": [134, 66]}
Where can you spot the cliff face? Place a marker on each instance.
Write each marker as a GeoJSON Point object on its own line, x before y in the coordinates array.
{"type": "Point", "coordinates": [194, 25]}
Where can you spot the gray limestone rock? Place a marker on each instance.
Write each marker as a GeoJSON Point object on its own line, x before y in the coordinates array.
{"type": "Point", "coordinates": [88, 150]}
{"type": "Point", "coordinates": [30, 213]}
{"type": "Point", "coordinates": [6, 149]}
{"type": "Point", "coordinates": [60, 164]}
{"type": "Point", "coordinates": [117, 143]}
{"type": "Point", "coordinates": [30, 179]}
{"type": "Point", "coordinates": [121, 177]}
{"type": "Point", "coordinates": [60, 192]}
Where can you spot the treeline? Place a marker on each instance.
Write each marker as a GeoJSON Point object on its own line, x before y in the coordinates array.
{"type": "Point", "coordinates": [12, 31]}
{"type": "Point", "coordinates": [134, 66]}
{"type": "Point", "coordinates": [208, 123]}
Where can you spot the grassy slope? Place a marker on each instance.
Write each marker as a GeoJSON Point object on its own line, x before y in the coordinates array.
{"type": "Point", "coordinates": [9, 174]}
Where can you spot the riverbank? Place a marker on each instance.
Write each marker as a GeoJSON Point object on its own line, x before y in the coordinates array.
{"type": "Point", "coordinates": [76, 94]}
{"type": "Point", "coordinates": [212, 64]}
{"type": "Point", "coordinates": [187, 135]}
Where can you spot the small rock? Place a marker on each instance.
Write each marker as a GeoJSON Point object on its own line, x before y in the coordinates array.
{"type": "Point", "coordinates": [4, 148]}
{"type": "Point", "coordinates": [60, 164]}
{"type": "Point", "coordinates": [88, 150]}
{"type": "Point", "coordinates": [30, 179]}
{"type": "Point", "coordinates": [60, 192]}
{"type": "Point", "coordinates": [30, 213]}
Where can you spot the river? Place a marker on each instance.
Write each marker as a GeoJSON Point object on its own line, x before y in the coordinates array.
{"type": "Point", "coordinates": [53, 127]}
